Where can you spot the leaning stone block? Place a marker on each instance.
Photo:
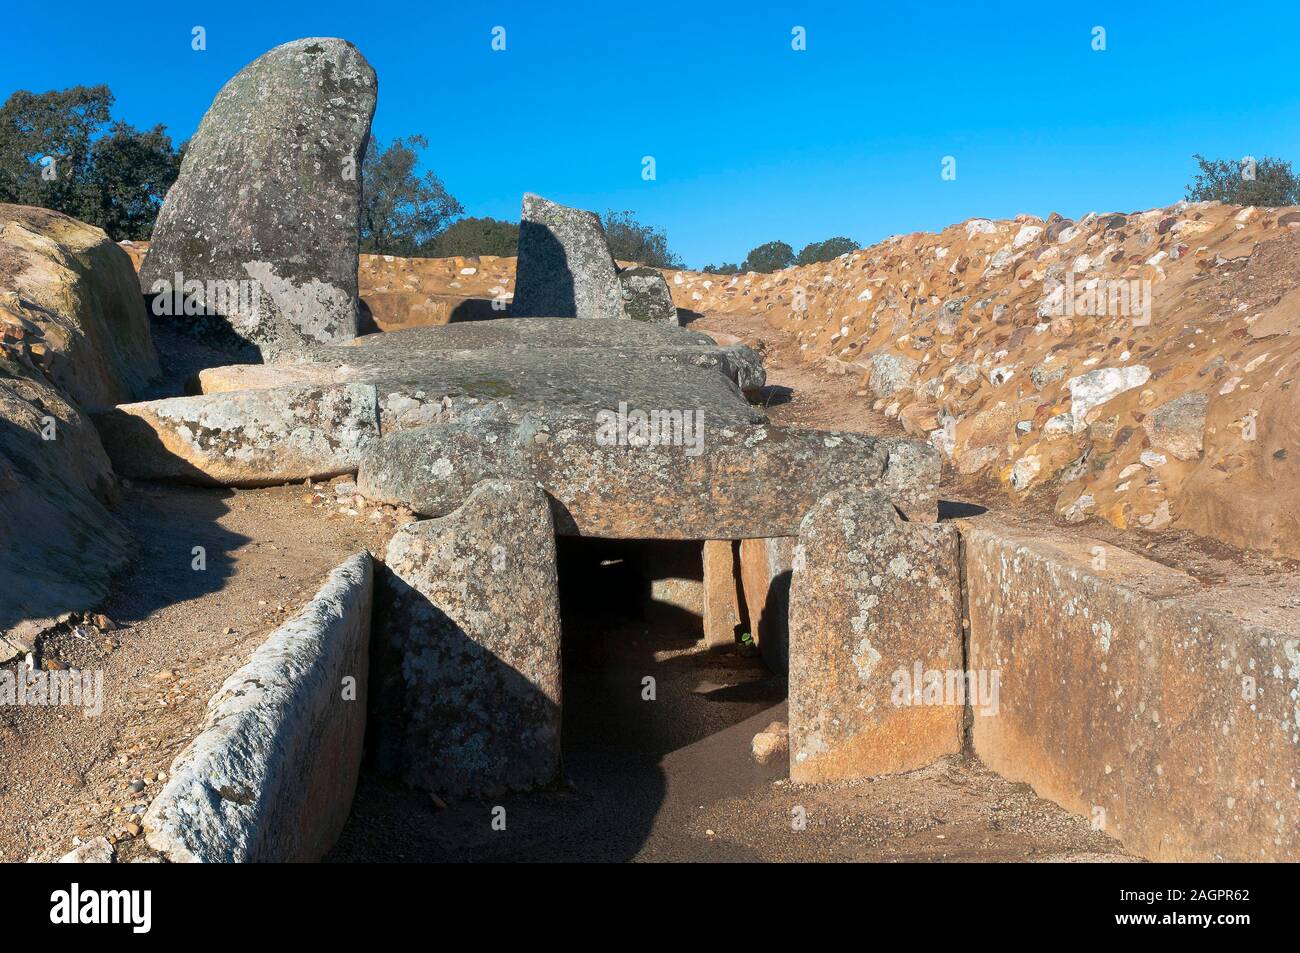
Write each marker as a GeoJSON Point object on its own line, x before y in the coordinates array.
{"type": "Point", "coordinates": [243, 438]}
{"type": "Point", "coordinates": [564, 267]}
{"type": "Point", "coordinates": [873, 600]}
{"type": "Point", "coordinates": [471, 636]}
{"type": "Point", "coordinates": [1131, 694]}
{"type": "Point", "coordinates": [714, 483]}
{"type": "Point", "coordinates": [271, 775]}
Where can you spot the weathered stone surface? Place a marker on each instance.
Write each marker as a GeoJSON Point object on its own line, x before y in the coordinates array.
{"type": "Point", "coordinates": [1179, 426]}
{"type": "Point", "coordinates": [471, 635]}
{"type": "Point", "coordinates": [244, 438]}
{"type": "Point", "coordinates": [565, 269]}
{"type": "Point", "coordinates": [428, 375]}
{"type": "Point", "coordinates": [69, 302]}
{"type": "Point", "coordinates": [646, 296]}
{"type": "Point", "coordinates": [872, 599]}
{"type": "Point", "coordinates": [765, 570]}
{"type": "Point", "coordinates": [97, 850]}
{"type": "Point", "coordinates": [1133, 697]}
{"type": "Point", "coordinates": [772, 743]}
{"type": "Point", "coordinates": [59, 546]}
{"type": "Point", "coordinates": [1097, 387]}
{"type": "Point", "coordinates": [721, 609]}
{"type": "Point", "coordinates": [269, 196]}
{"type": "Point", "coordinates": [724, 482]}
{"type": "Point", "coordinates": [270, 777]}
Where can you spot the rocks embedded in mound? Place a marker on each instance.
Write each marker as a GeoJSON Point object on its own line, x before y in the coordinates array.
{"type": "Point", "coordinates": [469, 642]}
{"type": "Point", "coordinates": [264, 215]}
{"type": "Point", "coordinates": [875, 626]}
{"type": "Point", "coordinates": [608, 477]}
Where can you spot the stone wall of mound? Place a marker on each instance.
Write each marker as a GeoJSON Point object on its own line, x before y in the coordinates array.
{"type": "Point", "coordinates": [1138, 368]}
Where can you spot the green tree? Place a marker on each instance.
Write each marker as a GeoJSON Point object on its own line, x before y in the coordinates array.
{"type": "Point", "coordinates": [769, 257]}
{"type": "Point", "coordinates": [475, 236]}
{"type": "Point", "coordinates": [45, 145]}
{"type": "Point", "coordinates": [127, 180]}
{"type": "Point", "coordinates": [825, 251]}
{"type": "Point", "coordinates": [724, 269]}
{"type": "Point", "coordinates": [401, 211]}
{"type": "Point", "coordinates": [1267, 181]}
{"type": "Point", "coordinates": [55, 154]}
{"type": "Point", "coordinates": [629, 240]}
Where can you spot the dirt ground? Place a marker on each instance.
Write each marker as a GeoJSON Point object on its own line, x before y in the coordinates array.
{"type": "Point", "coordinates": [180, 632]}
{"type": "Point", "coordinates": [674, 779]}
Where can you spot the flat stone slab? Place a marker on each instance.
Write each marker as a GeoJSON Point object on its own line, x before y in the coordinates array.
{"type": "Point", "coordinates": [469, 633]}
{"type": "Point", "coordinates": [1133, 697]}
{"type": "Point", "coordinates": [270, 777]}
{"type": "Point", "coordinates": [244, 438]}
{"type": "Point", "coordinates": [720, 481]}
{"type": "Point", "coordinates": [875, 623]}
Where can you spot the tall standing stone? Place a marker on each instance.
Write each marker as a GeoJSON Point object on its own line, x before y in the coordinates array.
{"type": "Point", "coordinates": [469, 641]}
{"type": "Point", "coordinates": [261, 229]}
{"type": "Point", "coordinates": [564, 269]}
{"type": "Point", "coordinates": [875, 641]}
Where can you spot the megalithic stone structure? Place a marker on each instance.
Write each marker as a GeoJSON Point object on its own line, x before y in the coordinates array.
{"type": "Point", "coordinates": [259, 235]}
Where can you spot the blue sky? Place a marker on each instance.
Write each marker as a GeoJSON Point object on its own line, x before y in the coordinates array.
{"type": "Point", "coordinates": [752, 140]}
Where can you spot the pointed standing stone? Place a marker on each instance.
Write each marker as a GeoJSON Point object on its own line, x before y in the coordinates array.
{"type": "Point", "coordinates": [261, 227]}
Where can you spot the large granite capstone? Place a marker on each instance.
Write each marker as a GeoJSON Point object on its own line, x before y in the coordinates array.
{"type": "Point", "coordinates": [608, 477]}
{"type": "Point", "coordinates": [261, 226]}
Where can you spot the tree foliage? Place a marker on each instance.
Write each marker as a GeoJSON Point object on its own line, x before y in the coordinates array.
{"type": "Point", "coordinates": [1266, 181]}
{"type": "Point", "coordinates": [825, 251]}
{"type": "Point", "coordinates": [401, 210]}
{"type": "Point", "coordinates": [476, 236]}
{"type": "Point", "coordinates": [55, 153]}
{"type": "Point", "coordinates": [629, 240]}
{"type": "Point", "coordinates": [769, 257]}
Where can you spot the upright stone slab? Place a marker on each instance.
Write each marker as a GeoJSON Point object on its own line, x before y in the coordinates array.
{"type": "Point", "coordinates": [646, 296]}
{"type": "Point", "coordinates": [721, 609]}
{"type": "Point", "coordinates": [875, 625]}
{"type": "Point", "coordinates": [267, 204]}
{"type": "Point", "coordinates": [471, 636]}
{"type": "Point", "coordinates": [564, 269]}
{"type": "Point", "coordinates": [765, 569]}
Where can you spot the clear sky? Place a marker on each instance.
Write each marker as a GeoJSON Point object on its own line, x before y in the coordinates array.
{"type": "Point", "coordinates": [752, 140]}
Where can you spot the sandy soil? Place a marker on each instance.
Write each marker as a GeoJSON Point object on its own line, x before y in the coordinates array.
{"type": "Point", "coordinates": [180, 633]}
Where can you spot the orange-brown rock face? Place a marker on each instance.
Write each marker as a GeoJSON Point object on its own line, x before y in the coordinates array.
{"type": "Point", "coordinates": [1139, 368]}
{"type": "Point", "coordinates": [876, 680]}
